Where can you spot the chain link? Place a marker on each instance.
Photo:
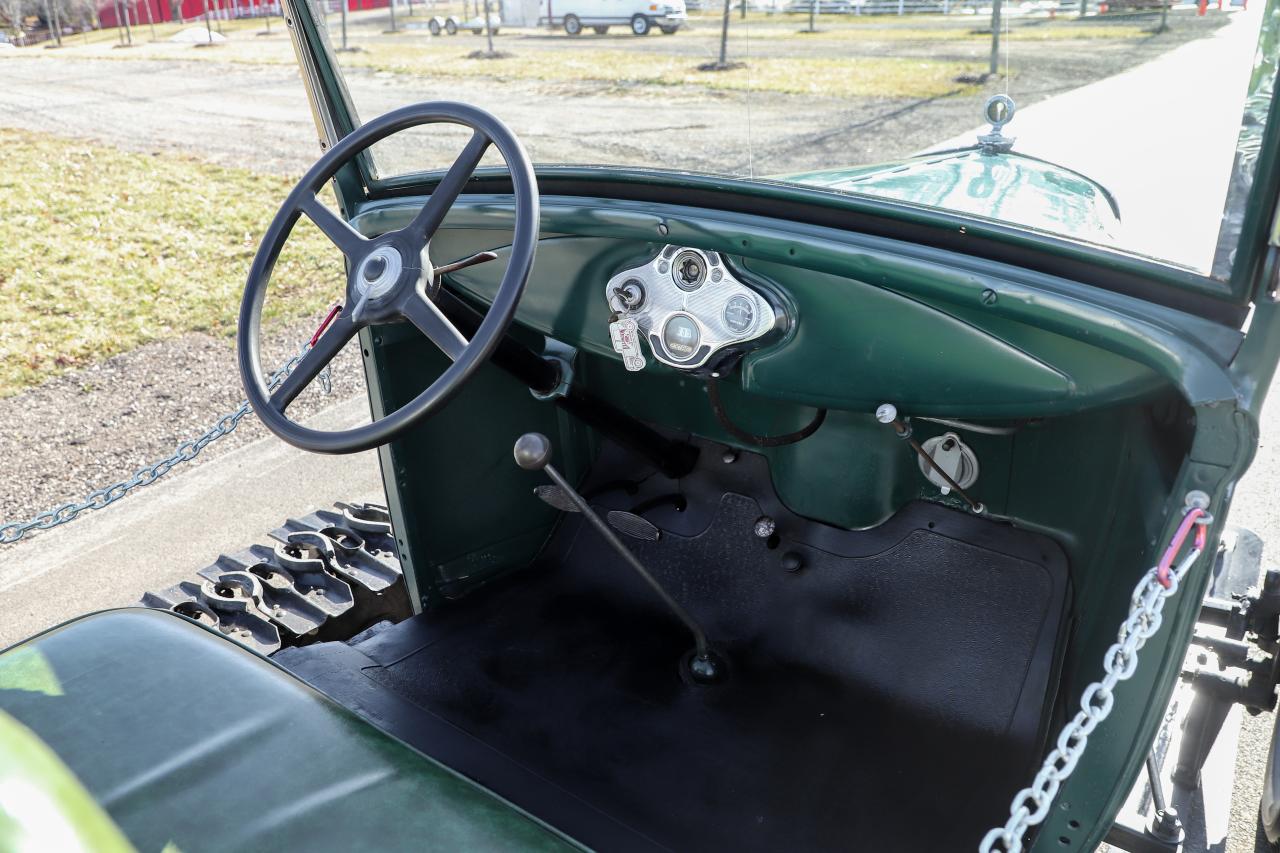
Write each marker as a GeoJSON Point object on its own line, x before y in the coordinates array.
{"type": "Point", "coordinates": [1031, 805]}
{"type": "Point", "coordinates": [145, 476]}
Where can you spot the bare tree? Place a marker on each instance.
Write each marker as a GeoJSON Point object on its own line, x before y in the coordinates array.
{"type": "Point", "coordinates": [724, 36]}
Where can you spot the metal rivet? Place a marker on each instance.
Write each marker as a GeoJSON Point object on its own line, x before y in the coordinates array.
{"type": "Point", "coordinates": [663, 229]}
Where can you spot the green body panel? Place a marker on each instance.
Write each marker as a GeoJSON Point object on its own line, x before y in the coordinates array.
{"type": "Point", "coordinates": [1010, 187]}
{"type": "Point", "coordinates": [190, 742]}
{"type": "Point", "coordinates": [1034, 326]}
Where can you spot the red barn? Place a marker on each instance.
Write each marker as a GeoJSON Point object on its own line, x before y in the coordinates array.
{"type": "Point", "coordinates": [193, 10]}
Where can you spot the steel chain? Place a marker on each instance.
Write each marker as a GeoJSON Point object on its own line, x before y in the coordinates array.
{"type": "Point", "coordinates": [1031, 805]}
{"type": "Point", "coordinates": [185, 452]}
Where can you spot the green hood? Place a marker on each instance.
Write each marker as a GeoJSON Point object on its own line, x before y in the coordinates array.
{"type": "Point", "coordinates": [1004, 186]}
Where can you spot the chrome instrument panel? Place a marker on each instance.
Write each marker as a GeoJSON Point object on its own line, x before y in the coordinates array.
{"type": "Point", "coordinates": [689, 306]}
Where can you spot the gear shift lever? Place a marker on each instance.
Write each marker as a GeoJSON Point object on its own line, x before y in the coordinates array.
{"type": "Point", "coordinates": [533, 453]}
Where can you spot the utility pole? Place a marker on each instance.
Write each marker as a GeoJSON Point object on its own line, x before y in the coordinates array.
{"type": "Point", "coordinates": [488, 26]}
{"type": "Point", "coordinates": [995, 37]}
{"type": "Point", "coordinates": [391, 4]}
{"type": "Point", "coordinates": [813, 16]}
{"type": "Point", "coordinates": [343, 5]}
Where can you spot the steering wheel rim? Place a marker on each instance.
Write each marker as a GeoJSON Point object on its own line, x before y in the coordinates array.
{"type": "Point", "coordinates": [389, 277]}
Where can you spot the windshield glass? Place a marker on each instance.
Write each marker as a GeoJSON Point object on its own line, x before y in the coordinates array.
{"type": "Point", "coordinates": [1126, 129]}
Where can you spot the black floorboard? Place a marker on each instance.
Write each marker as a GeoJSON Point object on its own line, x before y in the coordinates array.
{"type": "Point", "coordinates": [887, 696]}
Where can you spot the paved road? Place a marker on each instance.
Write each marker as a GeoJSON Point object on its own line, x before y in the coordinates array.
{"type": "Point", "coordinates": [1171, 196]}
{"type": "Point", "coordinates": [165, 532]}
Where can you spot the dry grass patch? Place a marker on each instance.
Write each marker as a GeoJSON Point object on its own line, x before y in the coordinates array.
{"type": "Point", "coordinates": [102, 250]}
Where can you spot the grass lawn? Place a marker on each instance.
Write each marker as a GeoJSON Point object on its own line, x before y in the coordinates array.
{"type": "Point", "coordinates": [831, 76]}
{"type": "Point", "coordinates": [102, 250]}
{"type": "Point", "coordinates": [827, 70]}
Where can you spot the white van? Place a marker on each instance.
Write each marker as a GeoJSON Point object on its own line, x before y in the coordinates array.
{"type": "Point", "coordinates": [640, 15]}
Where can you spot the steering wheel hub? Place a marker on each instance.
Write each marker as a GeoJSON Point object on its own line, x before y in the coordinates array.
{"type": "Point", "coordinates": [380, 272]}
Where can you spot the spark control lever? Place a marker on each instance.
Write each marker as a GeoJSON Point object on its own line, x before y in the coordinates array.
{"type": "Point", "coordinates": [533, 453]}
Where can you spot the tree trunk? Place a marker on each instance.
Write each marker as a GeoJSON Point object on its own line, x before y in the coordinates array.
{"type": "Point", "coordinates": [57, 24]}
{"type": "Point", "coordinates": [151, 24]}
{"type": "Point", "coordinates": [995, 37]}
{"type": "Point", "coordinates": [724, 35]}
{"type": "Point", "coordinates": [813, 16]}
{"type": "Point", "coordinates": [488, 26]}
{"type": "Point", "coordinates": [391, 4]}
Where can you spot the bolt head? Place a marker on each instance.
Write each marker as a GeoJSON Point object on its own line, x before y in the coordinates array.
{"type": "Point", "coordinates": [886, 413]}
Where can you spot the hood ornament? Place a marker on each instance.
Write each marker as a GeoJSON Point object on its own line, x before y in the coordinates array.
{"type": "Point", "coordinates": [999, 112]}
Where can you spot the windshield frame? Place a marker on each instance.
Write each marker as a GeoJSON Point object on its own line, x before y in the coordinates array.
{"type": "Point", "coordinates": [1110, 268]}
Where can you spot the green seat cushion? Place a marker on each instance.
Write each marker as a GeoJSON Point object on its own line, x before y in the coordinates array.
{"type": "Point", "coordinates": [192, 743]}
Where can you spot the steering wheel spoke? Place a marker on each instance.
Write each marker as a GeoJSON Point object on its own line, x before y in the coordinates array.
{"type": "Point", "coordinates": [323, 351]}
{"type": "Point", "coordinates": [428, 220]}
{"type": "Point", "coordinates": [431, 321]}
{"type": "Point", "coordinates": [346, 238]}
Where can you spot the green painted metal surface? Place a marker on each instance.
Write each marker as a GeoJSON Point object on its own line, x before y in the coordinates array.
{"type": "Point", "coordinates": [1008, 187]}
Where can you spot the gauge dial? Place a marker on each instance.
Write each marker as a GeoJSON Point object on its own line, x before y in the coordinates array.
{"type": "Point", "coordinates": [680, 335]}
{"type": "Point", "coordinates": [740, 314]}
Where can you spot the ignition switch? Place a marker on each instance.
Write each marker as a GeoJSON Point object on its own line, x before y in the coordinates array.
{"type": "Point", "coordinates": [628, 296]}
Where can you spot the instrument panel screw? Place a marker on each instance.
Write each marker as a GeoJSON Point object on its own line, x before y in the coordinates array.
{"type": "Point", "coordinates": [989, 297]}
{"type": "Point", "coordinates": [663, 229]}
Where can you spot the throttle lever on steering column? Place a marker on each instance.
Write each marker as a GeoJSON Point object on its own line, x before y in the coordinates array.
{"type": "Point", "coordinates": [533, 453]}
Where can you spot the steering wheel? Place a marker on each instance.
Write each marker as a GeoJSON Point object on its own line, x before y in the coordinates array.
{"type": "Point", "coordinates": [389, 278]}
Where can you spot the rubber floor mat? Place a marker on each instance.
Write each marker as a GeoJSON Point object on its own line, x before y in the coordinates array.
{"type": "Point", "coordinates": [887, 695]}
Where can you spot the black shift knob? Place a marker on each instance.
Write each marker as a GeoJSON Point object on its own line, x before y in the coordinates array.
{"type": "Point", "coordinates": [533, 451]}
